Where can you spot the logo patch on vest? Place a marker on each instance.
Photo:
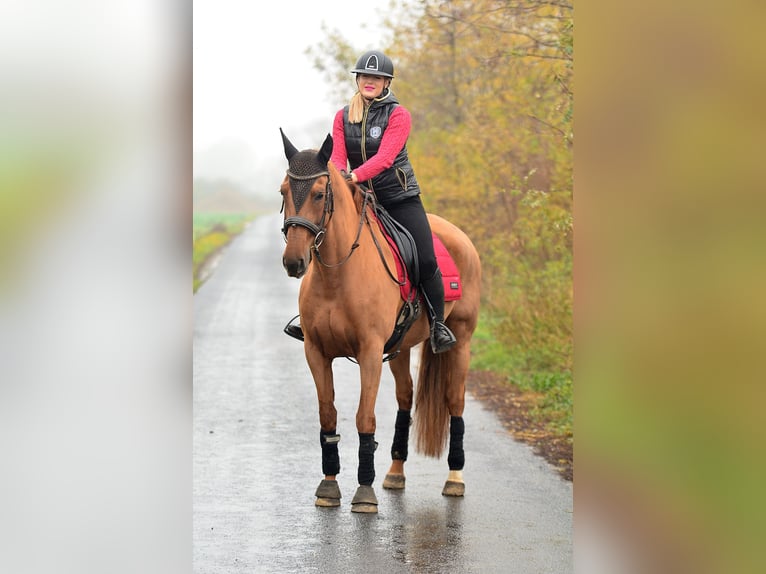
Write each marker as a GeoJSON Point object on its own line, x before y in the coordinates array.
{"type": "Point", "coordinates": [375, 132]}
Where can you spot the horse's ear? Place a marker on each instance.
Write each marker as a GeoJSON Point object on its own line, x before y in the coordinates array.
{"type": "Point", "coordinates": [326, 152]}
{"type": "Point", "coordinates": [290, 149]}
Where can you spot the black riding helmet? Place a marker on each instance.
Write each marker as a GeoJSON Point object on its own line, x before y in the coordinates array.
{"type": "Point", "coordinates": [374, 63]}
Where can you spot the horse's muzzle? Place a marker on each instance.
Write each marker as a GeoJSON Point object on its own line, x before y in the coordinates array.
{"type": "Point", "coordinates": [295, 267]}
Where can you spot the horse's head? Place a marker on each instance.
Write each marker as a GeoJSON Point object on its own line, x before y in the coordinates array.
{"type": "Point", "coordinates": [307, 203]}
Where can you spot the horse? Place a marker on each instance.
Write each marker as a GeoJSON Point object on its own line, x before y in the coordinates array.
{"type": "Point", "coordinates": [349, 300]}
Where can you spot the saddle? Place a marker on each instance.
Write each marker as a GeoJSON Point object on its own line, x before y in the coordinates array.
{"type": "Point", "coordinates": [405, 254]}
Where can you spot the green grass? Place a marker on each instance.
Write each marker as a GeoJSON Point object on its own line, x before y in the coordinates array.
{"type": "Point", "coordinates": [233, 223]}
{"type": "Point", "coordinates": [212, 232]}
{"type": "Point", "coordinates": [555, 404]}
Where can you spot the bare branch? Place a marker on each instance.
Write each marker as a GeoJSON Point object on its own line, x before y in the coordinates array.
{"type": "Point", "coordinates": [551, 126]}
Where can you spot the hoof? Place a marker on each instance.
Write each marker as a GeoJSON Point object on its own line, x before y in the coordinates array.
{"type": "Point", "coordinates": [364, 500]}
{"type": "Point", "coordinates": [328, 494]}
{"type": "Point", "coordinates": [394, 481]}
{"type": "Point", "coordinates": [364, 508]}
{"type": "Point", "coordinates": [453, 488]}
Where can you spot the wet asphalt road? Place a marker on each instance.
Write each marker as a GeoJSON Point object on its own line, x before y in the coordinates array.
{"type": "Point", "coordinates": [257, 460]}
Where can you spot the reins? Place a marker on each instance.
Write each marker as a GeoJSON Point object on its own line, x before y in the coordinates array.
{"type": "Point", "coordinates": [367, 193]}
{"type": "Point", "coordinates": [354, 245]}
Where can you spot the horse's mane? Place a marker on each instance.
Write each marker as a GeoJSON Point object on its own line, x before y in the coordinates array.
{"type": "Point", "coordinates": [357, 196]}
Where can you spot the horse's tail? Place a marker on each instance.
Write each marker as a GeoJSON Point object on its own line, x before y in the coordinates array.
{"type": "Point", "coordinates": [431, 421]}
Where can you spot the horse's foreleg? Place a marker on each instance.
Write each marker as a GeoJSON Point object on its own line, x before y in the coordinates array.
{"type": "Point", "coordinates": [400, 368]}
{"type": "Point", "coordinates": [370, 366]}
{"type": "Point", "coordinates": [328, 492]}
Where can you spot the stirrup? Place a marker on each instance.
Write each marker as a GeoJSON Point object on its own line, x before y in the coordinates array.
{"type": "Point", "coordinates": [442, 339]}
{"type": "Point", "coordinates": [294, 331]}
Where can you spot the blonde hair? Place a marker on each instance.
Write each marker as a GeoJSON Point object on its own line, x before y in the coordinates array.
{"type": "Point", "coordinates": [357, 104]}
{"type": "Point", "coordinates": [356, 108]}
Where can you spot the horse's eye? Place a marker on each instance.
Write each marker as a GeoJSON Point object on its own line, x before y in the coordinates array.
{"type": "Point", "coordinates": [319, 196]}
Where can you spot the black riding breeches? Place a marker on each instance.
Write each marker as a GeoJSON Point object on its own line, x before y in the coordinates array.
{"type": "Point", "coordinates": [411, 214]}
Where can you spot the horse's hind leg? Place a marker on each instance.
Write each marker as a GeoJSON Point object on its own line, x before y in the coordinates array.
{"type": "Point", "coordinates": [455, 486]}
{"type": "Point", "coordinates": [327, 493]}
{"type": "Point", "coordinates": [400, 368]}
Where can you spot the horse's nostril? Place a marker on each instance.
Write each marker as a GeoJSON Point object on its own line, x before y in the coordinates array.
{"type": "Point", "coordinates": [294, 267]}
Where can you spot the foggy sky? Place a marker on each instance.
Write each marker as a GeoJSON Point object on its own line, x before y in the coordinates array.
{"type": "Point", "coordinates": [251, 77]}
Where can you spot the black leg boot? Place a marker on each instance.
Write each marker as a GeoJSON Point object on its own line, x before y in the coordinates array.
{"type": "Point", "coordinates": [442, 339]}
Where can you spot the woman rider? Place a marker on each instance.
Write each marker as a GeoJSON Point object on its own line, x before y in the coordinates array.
{"type": "Point", "coordinates": [370, 134]}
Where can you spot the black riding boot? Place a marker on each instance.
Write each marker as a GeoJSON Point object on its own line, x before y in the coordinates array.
{"type": "Point", "coordinates": [442, 338]}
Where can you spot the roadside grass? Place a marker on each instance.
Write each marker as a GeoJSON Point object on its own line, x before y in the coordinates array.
{"type": "Point", "coordinates": [552, 389]}
{"type": "Point", "coordinates": [212, 232]}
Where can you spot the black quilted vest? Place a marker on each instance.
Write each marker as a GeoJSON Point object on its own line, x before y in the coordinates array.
{"type": "Point", "coordinates": [362, 142]}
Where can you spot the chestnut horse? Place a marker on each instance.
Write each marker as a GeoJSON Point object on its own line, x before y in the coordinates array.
{"type": "Point", "coordinates": [349, 300]}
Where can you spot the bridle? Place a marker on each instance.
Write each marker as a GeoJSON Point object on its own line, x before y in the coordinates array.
{"type": "Point", "coordinates": [318, 230]}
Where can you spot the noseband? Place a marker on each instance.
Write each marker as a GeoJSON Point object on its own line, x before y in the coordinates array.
{"type": "Point", "coordinates": [318, 230]}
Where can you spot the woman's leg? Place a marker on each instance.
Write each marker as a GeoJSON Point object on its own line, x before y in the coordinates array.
{"type": "Point", "coordinates": [411, 215]}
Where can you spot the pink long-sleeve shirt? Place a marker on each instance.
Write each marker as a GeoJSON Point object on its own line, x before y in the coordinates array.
{"type": "Point", "coordinates": [393, 140]}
